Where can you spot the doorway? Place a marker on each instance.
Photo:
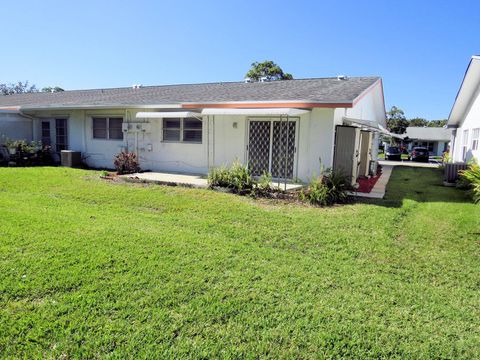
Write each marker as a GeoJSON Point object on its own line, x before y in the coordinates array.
{"type": "Point", "coordinates": [272, 147]}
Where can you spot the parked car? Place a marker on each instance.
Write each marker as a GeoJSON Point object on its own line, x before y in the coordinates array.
{"type": "Point", "coordinates": [419, 154]}
{"type": "Point", "coordinates": [393, 153]}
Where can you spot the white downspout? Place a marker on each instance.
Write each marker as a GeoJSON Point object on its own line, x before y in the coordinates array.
{"type": "Point", "coordinates": [34, 123]}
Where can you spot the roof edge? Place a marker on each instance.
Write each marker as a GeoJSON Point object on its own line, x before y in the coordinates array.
{"type": "Point", "coordinates": [452, 122]}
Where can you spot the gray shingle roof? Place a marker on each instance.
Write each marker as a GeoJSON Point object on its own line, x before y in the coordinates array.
{"type": "Point", "coordinates": [428, 133]}
{"type": "Point", "coordinates": [321, 90]}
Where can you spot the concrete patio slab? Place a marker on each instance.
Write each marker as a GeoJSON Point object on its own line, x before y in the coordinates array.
{"type": "Point", "coordinates": [190, 180]}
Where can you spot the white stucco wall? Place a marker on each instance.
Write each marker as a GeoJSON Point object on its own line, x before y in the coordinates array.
{"type": "Point", "coordinates": [224, 138]}
{"type": "Point", "coordinates": [15, 127]}
{"type": "Point", "coordinates": [470, 122]}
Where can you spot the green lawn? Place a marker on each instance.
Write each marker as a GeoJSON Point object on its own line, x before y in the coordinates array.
{"type": "Point", "coordinates": [91, 269]}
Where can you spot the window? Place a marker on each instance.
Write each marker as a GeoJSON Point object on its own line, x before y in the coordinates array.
{"type": "Point", "coordinates": [61, 134]}
{"type": "Point", "coordinates": [46, 139]}
{"type": "Point", "coordinates": [109, 128]}
{"type": "Point", "coordinates": [171, 129]}
{"type": "Point", "coordinates": [464, 144]}
{"type": "Point", "coordinates": [475, 138]}
{"type": "Point", "coordinates": [192, 130]}
{"type": "Point", "coordinates": [185, 130]}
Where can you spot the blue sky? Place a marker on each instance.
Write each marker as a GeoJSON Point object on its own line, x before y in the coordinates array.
{"type": "Point", "coordinates": [419, 48]}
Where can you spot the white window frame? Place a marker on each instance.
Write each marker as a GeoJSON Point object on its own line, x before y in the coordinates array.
{"type": "Point", "coordinates": [182, 128]}
{"type": "Point", "coordinates": [475, 138]}
{"type": "Point", "coordinates": [107, 117]}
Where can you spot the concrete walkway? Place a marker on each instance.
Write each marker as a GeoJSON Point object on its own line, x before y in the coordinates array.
{"type": "Point", "coordinates": [409, 163]}
{"type": "Point", "coordinates": [378, 191]}
{"type": "Point", "coordinates": [189, 180]}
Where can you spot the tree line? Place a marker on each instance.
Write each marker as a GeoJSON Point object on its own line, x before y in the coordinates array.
{"type": "Point", "coordinates": [397, 123]}
{"type": "Point", "coordinates": [22, 87]}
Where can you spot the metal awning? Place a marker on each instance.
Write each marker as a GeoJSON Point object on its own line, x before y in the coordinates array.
{"type": "Point", "coordinates": [165, 114]}
{"type": "Point", "coordinates": [255, 112]}
{"type": "Point", "coordinates": [370, 126]}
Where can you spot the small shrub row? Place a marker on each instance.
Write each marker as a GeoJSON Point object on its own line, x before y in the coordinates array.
{"type": "Point", "coordinates": [325, 190]}
{"type": "Point", "coordinates": [238, 178]}
{"type": "Point", "coordinates": [25, 153]}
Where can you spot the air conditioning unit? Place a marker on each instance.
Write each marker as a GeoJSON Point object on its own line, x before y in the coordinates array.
{"type": "Point", "coordinates": [69, 158]}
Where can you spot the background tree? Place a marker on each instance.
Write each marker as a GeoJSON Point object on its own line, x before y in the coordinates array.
{"type": "Point", "coordinates": [437, 123]}
{"type": "Point", "coordinates": [18, 88]}
{"type": "Point", "coordinates": [420, 122]}
{"type": "Point", "coordinates": [267, 69]}
{"type": "Point", "coordinates": [396, 120]}
{"type": "Point", "coordinates": [52, 89]}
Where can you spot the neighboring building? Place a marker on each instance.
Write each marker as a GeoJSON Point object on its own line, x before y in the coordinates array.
{"type": "Point", "coordinates": [435, 139]}
{"type": "Point", "coordinates": [464, 118]}
{"type": "Point", "coordinates": [282, 127]}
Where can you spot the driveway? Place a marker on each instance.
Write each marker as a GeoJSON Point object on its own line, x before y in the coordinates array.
{"type": "Point", "coordinates": [410, 163]}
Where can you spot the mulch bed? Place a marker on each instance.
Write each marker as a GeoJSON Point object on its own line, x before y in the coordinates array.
{"type": "Point", "coordinates": [365, 185]}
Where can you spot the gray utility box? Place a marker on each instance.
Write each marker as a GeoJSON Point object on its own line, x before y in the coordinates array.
{"type": "Point", "coordinates": [69, 158]}
{"type": "Point", "coordinates": [450, 174]}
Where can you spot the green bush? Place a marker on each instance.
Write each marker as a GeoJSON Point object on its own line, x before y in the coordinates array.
{"type": "Point", "coordinates": [237, 177]}
{"type": "Point", "coordinates": [264, 183]}
{"type": "Point", "coordinates": [327, 189]}
{"type": "Point", "coordinates": [470, 178]}
{"type": "Point", "coordinates": [126, 163]}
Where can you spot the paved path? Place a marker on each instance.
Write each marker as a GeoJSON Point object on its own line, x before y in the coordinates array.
{"type": "Point", "coordinates": [378, 191]}
{"type": "Point", "coordinates": [409, 163]}
{"type": "Point", "coordinates": [188, 180]}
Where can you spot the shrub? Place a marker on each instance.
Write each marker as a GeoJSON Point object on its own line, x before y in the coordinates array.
{"type": "Point", "coordinates": [327, 189]}
{"type": "Point", "coordinates": [126, 163]}
{"type": "Point", "coordinates": [470, 178]}
{"type": "Point", "coordinates": [316, 193]}
{"type": "Point", "coordinates": [264, 183]}
{"type": "Point", "coordinates": [236, 177]}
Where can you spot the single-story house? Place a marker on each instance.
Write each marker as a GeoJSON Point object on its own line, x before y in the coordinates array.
{"type": "Point", "coordinates": [283, 127]}
{"type": "Point", "coordinates": [464, 117]}
{"type": "Point", "coordinates": [435, 139]}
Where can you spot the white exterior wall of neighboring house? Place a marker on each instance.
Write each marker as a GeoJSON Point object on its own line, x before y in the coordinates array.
{"type": "Point", "coordinates": [224, 139]}
{"type": "Point", "coordinates": [464, 118]}
{"type": "Point", "coordinates": [466, 133]}
{"type": "Point", "coordinates": [15, 127]}
{"type": "Point", "coordinates": [370, 107]}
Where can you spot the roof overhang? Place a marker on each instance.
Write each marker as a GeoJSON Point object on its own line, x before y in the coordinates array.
{"type": "Point", "coordinates": [299, 104]}
{"type": "Point", "coordinates": [255, 112]}
{"type": "Point", "coordinates": [466, 94]}
{"type": "Point", "coordinates": [164, 114]}
{"type": "Point", "coordinates": [99, 107]}
{"type": "Point", "coordinates": [370, 125]}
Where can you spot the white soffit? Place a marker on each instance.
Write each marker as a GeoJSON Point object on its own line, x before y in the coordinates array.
{"type": "Point", "coordinates": [255, 112]}
{"type": "Point", "coordinates": [172, 114]}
